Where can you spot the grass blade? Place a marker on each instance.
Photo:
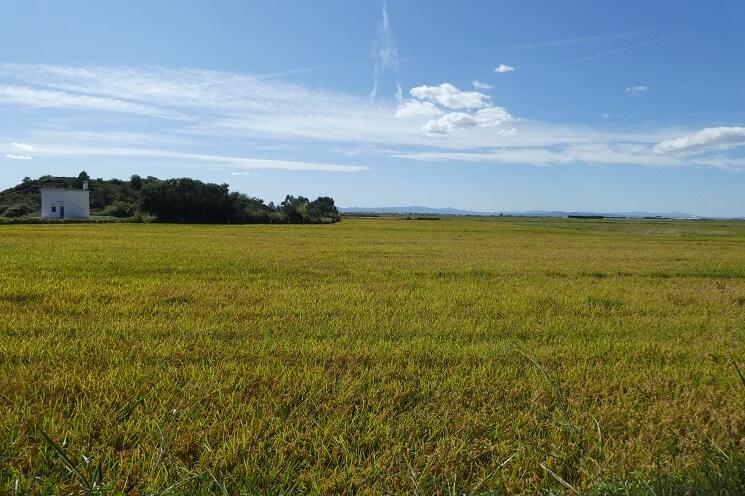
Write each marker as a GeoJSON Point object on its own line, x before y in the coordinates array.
{"type": "Point", "coordinates": [124, 413]}
{"type": "Point", "coordinates": [558, 479]}
{"type": "Point", "coordinates": [70, 465]}
{"type": "Point", "coordinates": [739, 372]}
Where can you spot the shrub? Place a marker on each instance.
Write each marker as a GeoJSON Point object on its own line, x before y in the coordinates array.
{"type": "Point", "coordinates": [120, 209]}
{"type": "Point", "coordinates": [18, 210]}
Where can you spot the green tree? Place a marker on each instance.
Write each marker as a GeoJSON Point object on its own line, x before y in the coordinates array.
{"type": "Point", "coordinates": [189, 200]}
{"type": "Point", "coordinates": [295, 209]}
{"type": "Point", "coordinates": [323, 209]}
{"type": "Point", "coordinates": [135, 182]}
{"type": "Point", "coordinates": [82, 177]}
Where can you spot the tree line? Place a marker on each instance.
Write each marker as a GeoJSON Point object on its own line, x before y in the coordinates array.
{"type": "Point", "coordinates": [172, 200]}
{"type": "Point", "coordinates": [190, 200]}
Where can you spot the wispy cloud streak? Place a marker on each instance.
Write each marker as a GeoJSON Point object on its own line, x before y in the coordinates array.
{"type": "Point", "coordinates": [385, 55]}
{"type": "Point", "coordinates": [622, 49]}
{"type": "Point", "coordinates": [41, 98]}
{"type": "Point", "coordinates": [53, 150]}
{"type": "Point", "coordinates": [579, 40]}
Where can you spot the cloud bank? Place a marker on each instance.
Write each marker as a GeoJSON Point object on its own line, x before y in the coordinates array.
{"type": "Point", "coordinates": [236, 121]}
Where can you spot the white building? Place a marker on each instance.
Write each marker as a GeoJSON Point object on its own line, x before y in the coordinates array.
{"type": "Point", "coordinates": [58, 203]}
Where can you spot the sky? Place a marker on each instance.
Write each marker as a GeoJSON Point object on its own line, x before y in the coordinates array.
{"type": "Point", "coordinates": [482, 105]}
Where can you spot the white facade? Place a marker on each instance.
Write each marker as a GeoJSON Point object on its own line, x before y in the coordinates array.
{"type": "Point", "coordinates": [65, 203]}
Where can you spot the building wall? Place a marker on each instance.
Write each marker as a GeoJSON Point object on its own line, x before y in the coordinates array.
{"type": "Point", "coordinates": [75, 201]}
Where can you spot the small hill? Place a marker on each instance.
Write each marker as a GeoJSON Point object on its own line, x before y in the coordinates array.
{"type": "Point", "coordinates": [25, 198]}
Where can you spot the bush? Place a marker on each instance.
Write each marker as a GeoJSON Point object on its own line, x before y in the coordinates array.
{"type": "Point", "coordinates": [120, 209]}
{"type": "Point", "coordinates": [300, 210]}
{"type": "Point", "coordinates": [18, 210]}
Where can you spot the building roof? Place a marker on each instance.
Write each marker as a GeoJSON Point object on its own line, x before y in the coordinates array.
{"type": "Point", "coordinates": [64, 189]}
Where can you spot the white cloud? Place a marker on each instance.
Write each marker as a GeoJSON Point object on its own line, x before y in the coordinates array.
{"type": "Point", "coordinates": [22, 146]}
{"type": "Point", "coordinates": [448, 123]}
{"type": "Point", "coordinates": [637, 90]}
{"type": "Point", "coordinates": [480, 85]}
{"type": "Point", "coordinates": [503, 68]}
{"type": "Point", "coordinates": [492, 116]}
{"type": "Point", "coordinates": [451, 97]}
{"type": "Point", "coordinates": [712, 137]}
{"type": "Point", "coordinates": [17, 157]}
{"type": "Point", "coordinates": [416, 108]}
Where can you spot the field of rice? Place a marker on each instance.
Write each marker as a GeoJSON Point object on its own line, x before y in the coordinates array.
{"type": "Point", "coordinates": [375, 356]}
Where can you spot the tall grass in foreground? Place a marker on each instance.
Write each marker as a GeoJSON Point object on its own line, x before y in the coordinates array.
{"type": "Point", "coordinates": [373, 357]}
{"type": "Point", "coordinates": [724, 474]}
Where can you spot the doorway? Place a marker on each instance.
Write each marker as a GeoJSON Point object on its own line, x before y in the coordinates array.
{"type": "Point", "coordinates": [62, 212]}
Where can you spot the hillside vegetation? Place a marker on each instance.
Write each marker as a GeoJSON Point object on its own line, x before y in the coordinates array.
{"type": "Point", "coordinates": [375, 356]}
{"type": "Point", "coordinates": [170, 200]}
{"type": "Point", "coordinates": [25, 198]}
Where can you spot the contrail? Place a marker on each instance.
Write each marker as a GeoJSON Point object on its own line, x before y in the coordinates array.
{"type": "Point", "coordinates": [580, 40]}
{"type": "Point", "coordinates": [385, 54]}
{"type": "Point", "coordinates": [618, 50]}
{"type": "Point", "coordinates": [291, 72]}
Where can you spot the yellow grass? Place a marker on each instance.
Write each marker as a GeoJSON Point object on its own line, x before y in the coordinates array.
{"type": "Point", "coordinates": [372, 356]}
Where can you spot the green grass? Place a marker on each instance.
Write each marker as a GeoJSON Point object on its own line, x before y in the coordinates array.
{"type": "Point", "coordinates": [376, 356]}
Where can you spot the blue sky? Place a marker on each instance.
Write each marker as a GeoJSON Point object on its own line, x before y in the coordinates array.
{"type": "Point", "coordinates": [606, 106]}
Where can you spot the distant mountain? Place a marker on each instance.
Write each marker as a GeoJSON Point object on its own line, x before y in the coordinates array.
{"type": "Point", "coordinates": [418, 210]}
{"type": "Point", "coordinates": [410, 210]}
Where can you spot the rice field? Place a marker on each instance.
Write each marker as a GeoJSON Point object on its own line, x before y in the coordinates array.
{"type": "Point", "coordinates": [375, 356]}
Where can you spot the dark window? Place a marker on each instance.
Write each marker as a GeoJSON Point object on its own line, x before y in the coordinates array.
{"type": "Point", "coordinates": [54, 209]}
